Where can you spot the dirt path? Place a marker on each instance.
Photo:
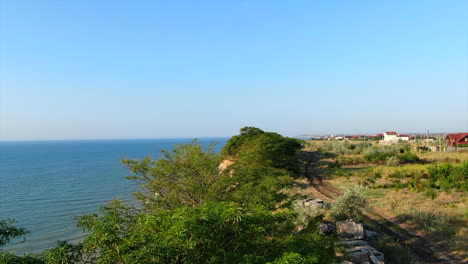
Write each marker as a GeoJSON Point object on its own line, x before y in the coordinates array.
{"type": "Point", "coordinates": [426, 250]}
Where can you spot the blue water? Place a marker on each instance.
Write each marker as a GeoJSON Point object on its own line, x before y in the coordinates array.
{"type": "Point", "coordinates": [44, 185]}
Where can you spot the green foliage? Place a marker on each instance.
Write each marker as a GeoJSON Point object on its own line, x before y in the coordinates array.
{"type": "Point", "coordinates": [66, 253]}
{"type": "Point", "coordinates": [344, 148]}
{"type": "Point", "coordinates": [183, 176]}
{"type": "Point", "coordinates": [350, 205]}
{"type": "Point", "coordinates": [196, 213]}
{"type": "Point", "coordinates": [294, 258]}
{"type": "Point", "coordinates": [10, 258]}
{"type": "Point", "coordinates": [391, 154]}
{"type": "Point", "coordinates": [379, 154]}
{"type": "Point", "coordinates": [190, 211]}
{"type": "Point", "coordinates": [369, 176]}
{"type": "Point", "coordinates": [307, 214]}
{"type": "Point", "coordinates": [208, 233]}
{"type": "Point", "coordinates": [235, 143]}
{"type": "Point", "coordinates": [423, 149]}
{"type": "Point", "coordinates": [394, 251]}
{"type": "Point", "coordinates": [254, 146]}
{"type": "Point", "coordinates": [110, 230]}
{"type": "Point", "coordinates": [251, 186]}
{"type": "Point", "coordinates": [9, 231]}
{"type": "Point", "coordinates": [448, 177]}
{"type": "Point", "coordinates": [392, 161]}
{"type": "Point", "coordinates": [408, 157]}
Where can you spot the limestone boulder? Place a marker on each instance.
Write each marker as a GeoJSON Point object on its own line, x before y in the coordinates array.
{"type": "Point", "coordinates": [350, 230]}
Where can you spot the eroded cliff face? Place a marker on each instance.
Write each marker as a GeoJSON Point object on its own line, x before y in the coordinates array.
{"type": "Point", "coordinates": [225, 164]}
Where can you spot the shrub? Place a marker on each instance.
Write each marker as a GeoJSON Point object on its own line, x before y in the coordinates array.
{"type": "Point", "coordinates": [307, 214]}
{"type": "Point", "coordinates": [350, 205]}
{"type": "Point", "coordinates": [66, 253]}
{"type": "Point", "coordinates": [375, 154]}
{"type": "Point", "coordinates": [10, 258]}
{"type": "Point", "coordinates": [408, 157]}
{"type": "Point", "coordinates": [209, 233]}
{"type": "Point", "coordinates": [9, 231]}
{"type": "Point", "coordinates": [394, 252]}
{"type": "Point", "coordinates": [392, 161]}
{"type": "Point", "coordinates": [448, 177]}
{"type": "Point", "coordinates": [254, 146]}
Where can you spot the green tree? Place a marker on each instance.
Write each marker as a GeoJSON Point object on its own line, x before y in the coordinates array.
{"type": "Point", "coordinates": [183, 176]}
{"type": "Point", "coordinates": [65, 253]}
{"type": "Point", "coordinates": [350, 205]}
{"type": "Point", "coordinates": [207, 233]}
{"type": "Point", "coordinates": [235, 142]}
{"type": "Point", "coordinates": [252, 186]}
{"type": "Point", "coordinates": [254, 146]}
{"type": "Point", "coordinates": [9, 231]}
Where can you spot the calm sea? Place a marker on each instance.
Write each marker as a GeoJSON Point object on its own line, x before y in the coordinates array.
{"type": "Point", "coordinates": [45, 184]}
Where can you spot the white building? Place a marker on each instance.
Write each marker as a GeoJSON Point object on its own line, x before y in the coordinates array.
{"type": "Point", "coordinates": [394, 137]}
{"type": "Point", "coordinates": [390, 137]}
{"type": "Point", "coordinates": [404, 137]}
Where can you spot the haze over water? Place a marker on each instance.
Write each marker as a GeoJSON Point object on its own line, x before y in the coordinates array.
{"type": "Point", "coordinates": [44, 185]}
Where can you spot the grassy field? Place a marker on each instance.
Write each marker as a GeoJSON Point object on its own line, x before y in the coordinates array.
{"type": "Point", "coordinates": [426, 195]}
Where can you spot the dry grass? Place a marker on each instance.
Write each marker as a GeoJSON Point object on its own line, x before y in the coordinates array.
{"type": "Point", "coordinates": [444, 218]}
{"type": "Point", "coordinates": [445, 157]}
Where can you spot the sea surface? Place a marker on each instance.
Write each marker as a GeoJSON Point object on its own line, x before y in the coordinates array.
{"type": "Point", "coordinates": [44, 185]}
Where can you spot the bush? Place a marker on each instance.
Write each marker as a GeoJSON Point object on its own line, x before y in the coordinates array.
{"type": "Point", "coordinates": [209, 233]}
{"type": "Point", "coordinates": [379, 154]}
{"type": "Point", "coordinates": [350, 205]}
{"type": "Point", "coordinates": [394, 251]}
{"type": "Point", "coordinates": [305, 214]}
{"type": "Point", "coordinates": [10, 258]}
{"type": "Point", "coordinates": [66, 253]}
{"type": "Point", "coordinates": [9, 231]}
{"type": "Point", "coordinates": [392, 161]}
{"type": "Point", "coordinates": [448, 177]}
{"type": "Point", "coordinates": [254, 146]}
{"type": "Point", "coordinates": [251, 186]}
{"type": "Point", "coordinates": [408, 157]}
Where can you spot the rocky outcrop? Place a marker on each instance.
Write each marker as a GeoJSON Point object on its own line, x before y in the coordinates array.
{"type": "Point", "coordinates": [358, 251]}
{"type": "Point", "coordinates": [350, 230]}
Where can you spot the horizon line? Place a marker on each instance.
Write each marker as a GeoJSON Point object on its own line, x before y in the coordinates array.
{"type": "Point", "coordinates": [204, 137]}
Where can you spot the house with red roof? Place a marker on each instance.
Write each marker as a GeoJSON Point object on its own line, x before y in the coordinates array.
{"type": "Point", "coordinates": [393, 137]}
{"type": "Point", "coordinates": [390, 136]}
{"type": "Point", "coordinates": [454, 140]}
{"type": "Point", "coordinates": [404, 137]}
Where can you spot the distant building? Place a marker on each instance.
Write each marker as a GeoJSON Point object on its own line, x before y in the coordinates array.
{"type": "Point", "coordinates": [390, 137]}
{"type": "Point", "coordinates": [404, 137]}
{"type": "Point", "coordinates": [393, 137]}
{"type": "Point", "coordinates": [454, 140]}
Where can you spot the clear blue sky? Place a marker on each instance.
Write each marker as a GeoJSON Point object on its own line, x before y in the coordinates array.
{"type": "Point", "coordinates": [151, 69]}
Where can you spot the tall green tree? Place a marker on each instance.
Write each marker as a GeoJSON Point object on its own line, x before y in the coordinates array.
{"type": "Point", "coordinates": [192, 211]}
{"type": "Point", "coordinates": [209, 233]}
{"type": "Point", "coordinates": [254, 146]}
{"type": "Point", "coordinates": [253, 185]}
{"type": "Point", "coordinates": [183, 176]}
